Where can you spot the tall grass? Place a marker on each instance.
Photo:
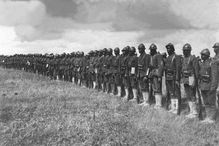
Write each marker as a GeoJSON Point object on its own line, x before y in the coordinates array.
{"type": "Point", "coordinates": [37, 111]}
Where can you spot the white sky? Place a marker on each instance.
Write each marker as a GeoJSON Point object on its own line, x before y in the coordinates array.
{"type": "Point", "coordinates": [46, 26]}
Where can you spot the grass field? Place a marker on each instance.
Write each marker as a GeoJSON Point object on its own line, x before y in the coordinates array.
{"type": "Point", "coordinates": [37, 111]}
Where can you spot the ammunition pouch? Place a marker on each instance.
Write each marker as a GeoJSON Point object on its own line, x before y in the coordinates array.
{"type": "Point", "coordinates": [187, 74]}
{"type": "Point", "coordinates": [140, 67]}
{"type": "Point", "coordinates": [205, 78]}
{"type": "Point", "coordinates": [123, 68]}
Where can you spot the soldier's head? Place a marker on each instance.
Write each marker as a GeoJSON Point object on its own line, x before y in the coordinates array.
{"type": "Point", "coordinates": [132, 51]}
{"type": "Point", "coordinates": [105, 51]}
{"type": "Point", "coordinates": [91, 53]}
{"type": "Point", "coordinates": [125, 50]}
{"type": "Point", "coordinates": [170, 48]}
{"type": "Point", "coordinates": [141, 48]}
{"type": "Point", "coordinates": [110, 51]}
{"type": "Point", "coordinates": [82, 54]}
{"type": "Point", "coordinates": [78, 54]}
{"type": "Point", "coordinates": [100, 53]}
{"type": "Point", "coordinates": [96, 53]}
{"type": "Point", "coordinates": [187, 50]}
{"type": "Point", "coordinates": [153, 49]}
{"type": "Point", "coordinates": [164, 55]}
{"type": "Point", "coordinates": [216, 48]}
{"type": "Point", "coordinates": [73, 54]}
{"type": "Point", "coordinates": [116, 51]}
{"type": "Point", "coordinates": [205, 54]}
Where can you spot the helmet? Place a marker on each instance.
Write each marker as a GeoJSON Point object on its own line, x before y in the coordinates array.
{"type": "Point", "coordinates": [132, 49]}
{"type": "Point", "coordinates": [105, 50]}
{"type": "Point", "coordinates": [141, 47]}
{"type": "Point", "coordinates": [153, 47]}
{"type": "Point", "coordinates": [91, 52]}
{"type": "Point", "coordinates": [110, 50]}
{"type": "Point", "coordinates": [170, 46]}
{"type": "Point", "coordinates": [124, 49]}
{"type": "Point", "coordinates": [187, 46]}
{"type": "Point", "coordinates": [216, 45]}
{"type": "Point", "coordinates": [205, 52]}
{"type": "Point", "coordinates": [116, 49]}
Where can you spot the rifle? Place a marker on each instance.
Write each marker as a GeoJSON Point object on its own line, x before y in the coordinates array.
{"type": "Point", "coordinates": [179, 99]}
{"type": "Point", "coordinates": [200, 103]}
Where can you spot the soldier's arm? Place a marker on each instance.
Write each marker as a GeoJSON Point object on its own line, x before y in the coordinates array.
{"type": "Point", "coordinates": [178, 67]}
{"type": "Point", "coordinates": [214, 75]}
{"type": "Point", "coordinates": [195, 66]}
{"type": "Point", "coordinates": [160, 65]}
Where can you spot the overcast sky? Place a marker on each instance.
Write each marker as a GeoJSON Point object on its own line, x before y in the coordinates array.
{"type": "Point", "coordinates": [45, 26]}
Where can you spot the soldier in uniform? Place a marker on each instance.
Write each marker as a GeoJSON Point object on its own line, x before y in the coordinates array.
{"type": "Point", "coordinates": [104, 70]}
{"type": "Point", "coordinates": [205, 82]}
{"type": "Point", "coordinates": [125, 72]}
{"type": "Point", "coordinates": [99, 70]}
{"type": "Point", "coordinates": [143, 72]}
{"type": "Point", "coordinates": [132, 72]}
{"type": "Point", "coordinates": [212, 101]}
{"type": "Point", "coordinates": [117, 70]}
{"type": "Point", "coordinates": [156, 71]}
{"type": "Point", "coordinates": [172, 74]}
{"type": "Point", "coordinates": [189, 78]}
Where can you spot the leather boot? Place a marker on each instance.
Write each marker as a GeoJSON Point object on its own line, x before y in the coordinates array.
{"type": "Point", "coordinates": [126, 94]}
{"type": "Point", "coordinates": [146, 98]}
{"type": "Point", "coordinates": [172, 102]}
{"type": "Point", "coordinates": [135, 95]}
{"type": "Point", "coordinates": [158, 101]}
{"type": "Point", "coordinates": [119, 91]}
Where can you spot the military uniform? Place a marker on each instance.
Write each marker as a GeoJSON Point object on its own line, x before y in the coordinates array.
{"type": "Point", "coordinates": [172, 76]}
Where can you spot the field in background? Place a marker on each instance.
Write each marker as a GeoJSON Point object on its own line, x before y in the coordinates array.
{"type": "Point", "coordinates": [37, 111]}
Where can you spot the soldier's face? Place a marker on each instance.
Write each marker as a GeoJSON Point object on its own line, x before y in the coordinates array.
{"type": "Point", "coordinates": [169, 51]}
{"type": "Point", "coordinates": [204, 57]}
{"type": "Point", "coordinates": [186, 52]}
{"type": "Point", "coordinates": [216, 50]}
{"type": "Point", "coordinates": [153, 51]}
{"type": "Point", "coordinates": [141, 51]}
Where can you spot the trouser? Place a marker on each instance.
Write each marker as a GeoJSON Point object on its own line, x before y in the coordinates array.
{"type": "Point", "coordinates": [190, 93]}
{"type": "Point", "coordinates": [210, 103]}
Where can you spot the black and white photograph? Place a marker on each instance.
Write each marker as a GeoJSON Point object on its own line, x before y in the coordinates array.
{"type": "Point", "coordinates": [109, 72]}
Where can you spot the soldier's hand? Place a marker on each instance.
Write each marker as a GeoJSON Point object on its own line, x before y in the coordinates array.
{"type": "Point", "coordinates": [145, 78]}
{"type": "Point", "coordinates": [177, 83]}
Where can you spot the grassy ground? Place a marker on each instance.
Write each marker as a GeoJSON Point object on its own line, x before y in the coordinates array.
{"type": "Point", "coordinates": [37, 111]}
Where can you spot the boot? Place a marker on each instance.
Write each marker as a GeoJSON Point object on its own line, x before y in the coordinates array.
{"type": "Point", "coordinates": [175, 106]}
{"type": "Point", "coordinates": [145, 97]}
{"type": "Point", "coordinates": [158, 100]}
{"type": "Point", "coordinates": [94, 85]}
{"type": "Point", "coordinates": [112, 89]}
{"type": "Point", "coordinates": [172, 106]}
{"type": "Point", "coordinates": [135, 92]}
{"type": "Point", "coordinates": [119, 91]}
{"type": "Point", "coordinates": [73, 80]}
{"type": "Point", "coordinates": [126, 94]}
{"type": "Point", "coordinates": [193, 112]}
{"type": "Point", "coordinates": [79, 82]}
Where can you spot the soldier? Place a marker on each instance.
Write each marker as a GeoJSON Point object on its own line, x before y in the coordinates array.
{"type": "Point", "coordinates": [99, 70]}
{"type": "Point", "coordinates": [212, 104]}
{"type": "Point", "coordinates": [143, 72]}
{"type": "Point", "coordinates": [172, 74]}
{"type": "Point", "coordinates": [125, 72]}
{"type": "Point", "coordinates": [117, 71]}
{"type": "Point", "coordinates": [205, 82]}
{"type": "Point", "coordinates": [132, 72]}
{"type": "Point", "coordinates": [156, 70]}
{"type": "Point", "coordinates": [189, 78]}
{"type": "Point", "coordinates": [104, 70]}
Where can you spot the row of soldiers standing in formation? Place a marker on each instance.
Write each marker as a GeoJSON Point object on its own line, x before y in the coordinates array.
{"type": "Point", "coordinates": [142, 79]}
